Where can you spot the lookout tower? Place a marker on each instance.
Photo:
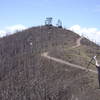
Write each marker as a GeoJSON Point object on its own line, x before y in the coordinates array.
{"type": "Point", "coordinates": [48, 21]}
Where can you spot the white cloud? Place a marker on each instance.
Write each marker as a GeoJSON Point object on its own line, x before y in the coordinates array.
{"type": "Point", "coordinates": [15, 28]}
{"type": "Point", "coordinates": [11, 29]}
{"type": "Point", "coordinates": [2, 33]}
{"type": "Point", "coordinates": [91, 33]}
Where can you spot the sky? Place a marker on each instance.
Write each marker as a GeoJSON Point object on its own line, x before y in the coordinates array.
{"type": "Point", "coordinates": [81, 16]}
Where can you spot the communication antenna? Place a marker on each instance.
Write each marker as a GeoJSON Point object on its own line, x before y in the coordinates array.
{"type": "Point", "coordinates": [59, 23]}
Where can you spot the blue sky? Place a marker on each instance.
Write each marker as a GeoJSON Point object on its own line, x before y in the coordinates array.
{"type": "Point", "coordinates": [85, 13]}
{"type": "Point", "coordinates": [33, 12]}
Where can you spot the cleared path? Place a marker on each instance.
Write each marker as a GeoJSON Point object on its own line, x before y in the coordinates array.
{"type": "Point", "coordinates": [45, 54]}
{"type": "Point", "coordinates": [65, 62]}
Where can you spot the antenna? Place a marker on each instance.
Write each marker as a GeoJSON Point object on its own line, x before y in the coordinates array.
{"type": "Point", "coordinates": [59, 23]}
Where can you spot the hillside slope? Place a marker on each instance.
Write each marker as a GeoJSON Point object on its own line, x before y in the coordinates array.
{"type": "Point", "coordinates": [26, 75]}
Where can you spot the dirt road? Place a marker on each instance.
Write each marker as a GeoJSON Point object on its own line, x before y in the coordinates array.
{"type": "Point", "coordinates": [65, 62]}
{"type": "Point", "coordinates": [78, 43]}
{"type": "Point", "coordinates": [45, 54]}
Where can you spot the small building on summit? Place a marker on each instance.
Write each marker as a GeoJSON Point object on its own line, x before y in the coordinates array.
{"type": "Point", "coordinates": [48, 21]}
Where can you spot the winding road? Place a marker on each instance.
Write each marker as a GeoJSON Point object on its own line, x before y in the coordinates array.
{"type": "Point", "coordinates": [78, 43]}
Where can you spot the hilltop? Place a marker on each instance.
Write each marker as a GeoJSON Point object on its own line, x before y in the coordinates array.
{"type": "Point", "coordinates": [26, 75]}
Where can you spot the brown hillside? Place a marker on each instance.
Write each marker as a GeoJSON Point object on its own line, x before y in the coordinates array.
{"type": "Point", "coordinates": [26, 75]}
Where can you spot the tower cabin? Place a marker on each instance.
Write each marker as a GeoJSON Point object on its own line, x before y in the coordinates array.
{"type": "Point", "coordinates": [48, 21]}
